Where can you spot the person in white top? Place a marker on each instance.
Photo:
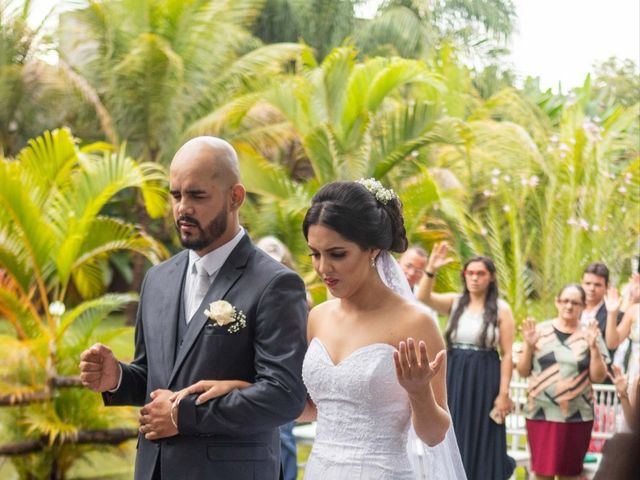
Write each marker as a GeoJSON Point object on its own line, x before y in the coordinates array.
{"type": "Point", "coordinates": [477, 377]}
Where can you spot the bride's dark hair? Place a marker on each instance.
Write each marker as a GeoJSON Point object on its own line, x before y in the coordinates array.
{"type": "Point", "coordinates": [351, 210]}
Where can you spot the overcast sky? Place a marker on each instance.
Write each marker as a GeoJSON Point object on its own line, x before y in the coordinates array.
{"type": "Point", "coordinates": [557, 40]}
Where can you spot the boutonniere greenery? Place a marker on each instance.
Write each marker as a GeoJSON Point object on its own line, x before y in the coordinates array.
{"type": "Point", "coordinates": [223, 314]}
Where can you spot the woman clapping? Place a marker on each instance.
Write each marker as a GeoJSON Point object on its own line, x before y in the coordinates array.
{"type": "Point", "coordinates": [562, 359]}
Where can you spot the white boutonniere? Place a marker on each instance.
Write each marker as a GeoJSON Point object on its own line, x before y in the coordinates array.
{"type": "Point", "coordinates": [222, 313]}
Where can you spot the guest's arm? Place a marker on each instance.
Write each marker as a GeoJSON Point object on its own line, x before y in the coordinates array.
{"type": "Point", "coordinates": [616, 332]}
{"type": "Point", "coordinates": [530, 337]}
{"type": "Point", "coordinates": [597, 363]}
{"type": "Point", "coordinates": [440, 302]}
{"type": "Point", "coordinates": [626, 401]}
{"type": "Point", "coordinates": [506, 328]}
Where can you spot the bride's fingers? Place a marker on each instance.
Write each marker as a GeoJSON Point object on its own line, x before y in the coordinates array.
{"type": "Point", "coordinates": [213, 392]}
{"type": "Point", "coordinates": [398, 364]}
{"type": "Point", "coordinates": [197, 387]}
{"type": "Point", "coordinates": [424, 358]}
{"type": "Point", "coordinates": [413, 356]}
{"type": "Point", "coordinates": [437, 363]}
{"type": "Point", "coordinates": [404, 358]}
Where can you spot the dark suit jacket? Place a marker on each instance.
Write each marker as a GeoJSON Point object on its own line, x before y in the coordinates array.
{"type": "Point", "coordinates": [235, 436]}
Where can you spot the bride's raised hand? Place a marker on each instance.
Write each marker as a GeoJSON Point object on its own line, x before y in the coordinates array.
{"type": "Point", "coordinates": [413, 368]}
{"type": "Point", "coordinates": [209, 389]}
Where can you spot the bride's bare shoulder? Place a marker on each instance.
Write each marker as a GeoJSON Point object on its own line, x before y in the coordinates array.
{"type": "Point", "coordinates": [324, 308]}
{"type": "Point", "coordinates": [321, 312]}
{"type": "Point", "coordinates": [418, 318]}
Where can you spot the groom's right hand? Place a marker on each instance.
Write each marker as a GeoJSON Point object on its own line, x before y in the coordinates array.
{"type": "Point", "coordinates": [99, 368]}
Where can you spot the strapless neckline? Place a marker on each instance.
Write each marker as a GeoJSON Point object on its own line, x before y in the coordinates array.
{"type": "Point", "coordinates": [354, 353]}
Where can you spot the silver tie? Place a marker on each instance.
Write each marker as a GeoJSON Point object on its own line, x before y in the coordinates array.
{"type": "Point", "coordinates": [200, 288]}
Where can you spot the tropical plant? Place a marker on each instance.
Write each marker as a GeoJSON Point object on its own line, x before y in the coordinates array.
{"type": "Point", "coordinates": [321, 24]}
{"type": "Point", "coordinates": [416, 29]}
{"type": "Point", "coordinates": [29, 87]}
{"type": "Point", "coordinates": [342, 119]}
{"type": "Point", "coordinates": [544, 208]}
{"type": "Point", "coordinates": [157, 66]}
{"type": "Point", "coordinates": [55, 243]}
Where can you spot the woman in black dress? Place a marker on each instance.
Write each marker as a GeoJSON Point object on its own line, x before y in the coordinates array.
{"type": "Point", "coordinates": [478, 377]}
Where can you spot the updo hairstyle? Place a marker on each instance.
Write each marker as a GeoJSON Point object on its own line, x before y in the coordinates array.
{"type": "Point", "coordinates": [351, 210]}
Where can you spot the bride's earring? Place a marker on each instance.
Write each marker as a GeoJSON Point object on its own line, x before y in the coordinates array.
{"type": "Point", "coordinates": [372, 262]}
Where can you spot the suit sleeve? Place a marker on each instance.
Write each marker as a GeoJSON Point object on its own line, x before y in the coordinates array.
{"type": "Point", "coordinates": [278, 394]}
{"type": "Point", "coordinates": [133, 386]}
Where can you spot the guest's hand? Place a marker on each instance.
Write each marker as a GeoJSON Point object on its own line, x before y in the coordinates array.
{"type": "Point", "coordinates": [592, 333]}
{"type": "Point", "coordinates": [529, 332]}
{"type": "Point", "coordinates": [211, 389]}
{"type": "Point", "coordinates": [612, 300]}
{"type": "Point", "coordinates": [413, 368]}
{"type": "Point", "coordinates": [619, 379]}
{"type": "Point", "coordinates": [439, 257]}
{"type": "Point", "coordinates": [155, 416]}
{"type": "Point", "coordinates": [99, 369]}
{"type": "Point", "coordinates": [503, 405]}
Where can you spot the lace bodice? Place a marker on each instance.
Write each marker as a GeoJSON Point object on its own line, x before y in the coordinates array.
{"type": "Point", "coordinates": [363, 415]}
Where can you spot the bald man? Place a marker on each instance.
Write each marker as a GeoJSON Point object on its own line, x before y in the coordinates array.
{"type": "Point", "coordinates": [219, 310]}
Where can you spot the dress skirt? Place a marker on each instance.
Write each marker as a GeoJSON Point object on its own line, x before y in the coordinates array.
{"type": "Point", "coordinates": [558, 448]}
{"type": "Point", "coordinates": [473, 382]}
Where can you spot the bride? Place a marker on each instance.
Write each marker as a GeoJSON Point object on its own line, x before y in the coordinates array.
{"type": "Point", "coordinates": [378, 408]}
{"type": "Point", "coordinates": [366, 394]}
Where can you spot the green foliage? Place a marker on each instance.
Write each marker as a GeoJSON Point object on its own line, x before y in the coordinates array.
{"type": "Point", "coordinates": [55, 242]}
{"type": "Point", "coordinates": [543, 210]}
{"type": "Point", "coordinates": [160, 66]}
{"type": "Point", "coordinates": [617, 82]}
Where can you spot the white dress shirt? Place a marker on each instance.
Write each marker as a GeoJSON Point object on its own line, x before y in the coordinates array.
{"type": "Point", "coordinates": [212, 263]}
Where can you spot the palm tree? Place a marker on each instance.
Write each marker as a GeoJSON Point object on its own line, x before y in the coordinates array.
{"type": "Point", "coordinates": [341, 119]}
{"type": "Point", "coordinates": [158, 65]}
{"type": "Point", "coordinates": [543, 201]}
{"type": "Point", "coordinates": [321, 24]}
{"type": "Point", "coordinates": [55, 243]}
{"type": "Point", "coordinates": [417, 29]}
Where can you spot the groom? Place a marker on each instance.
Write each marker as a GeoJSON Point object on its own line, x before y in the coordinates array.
{"type": "Point", "coordinates": [181, 338]}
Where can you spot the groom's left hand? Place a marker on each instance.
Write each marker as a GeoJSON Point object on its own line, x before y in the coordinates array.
{"type": "Point", "coordinates": [155, 416]}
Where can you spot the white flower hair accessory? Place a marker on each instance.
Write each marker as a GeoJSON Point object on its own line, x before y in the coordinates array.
{"type": "Point", "coordinates": [383, 195]}
{"type": "Point", "coordinates": [222, 313]}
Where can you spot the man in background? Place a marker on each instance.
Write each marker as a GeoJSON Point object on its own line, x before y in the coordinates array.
{"type": "Point", "coordinates": [413, 262]}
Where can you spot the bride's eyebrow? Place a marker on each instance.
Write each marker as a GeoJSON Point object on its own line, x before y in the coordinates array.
{"type": "Point", "coordinates": [330, 249]}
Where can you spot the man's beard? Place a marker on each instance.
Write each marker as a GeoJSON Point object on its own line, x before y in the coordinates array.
{"type": "Point", "coordinates": [212, 232]}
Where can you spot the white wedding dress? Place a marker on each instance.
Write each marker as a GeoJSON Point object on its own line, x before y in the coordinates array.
{"type": "Point", "coordinates": [363, 415]}
{"type": "Point", "coordinates": [364, 427]}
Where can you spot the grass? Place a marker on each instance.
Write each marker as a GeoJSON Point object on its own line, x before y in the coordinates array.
{"type": "Point", "coordinates": [110, 465]}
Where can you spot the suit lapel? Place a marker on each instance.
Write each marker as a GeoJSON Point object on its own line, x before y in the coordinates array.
{"type": "Point", "coordinates": [170, 311]}
{"type": "Point", "coordinates": [228, 275]}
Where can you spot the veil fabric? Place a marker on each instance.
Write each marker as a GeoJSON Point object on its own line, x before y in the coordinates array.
{"type": "Point", "coordinates": [442, 461]}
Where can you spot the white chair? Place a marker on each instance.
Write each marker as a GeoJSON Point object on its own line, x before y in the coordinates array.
{"type": "Point", "coordinates": [605, 406]}
{"type": "Point", "coordinates": [518, 448]}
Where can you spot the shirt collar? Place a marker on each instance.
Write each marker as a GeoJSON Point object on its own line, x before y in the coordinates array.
{"type": "Point", "coordinates": [213, 261]}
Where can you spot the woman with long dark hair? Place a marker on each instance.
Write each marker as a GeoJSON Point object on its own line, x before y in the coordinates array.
{"type": "Point", "coordinates": [478, 378]}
